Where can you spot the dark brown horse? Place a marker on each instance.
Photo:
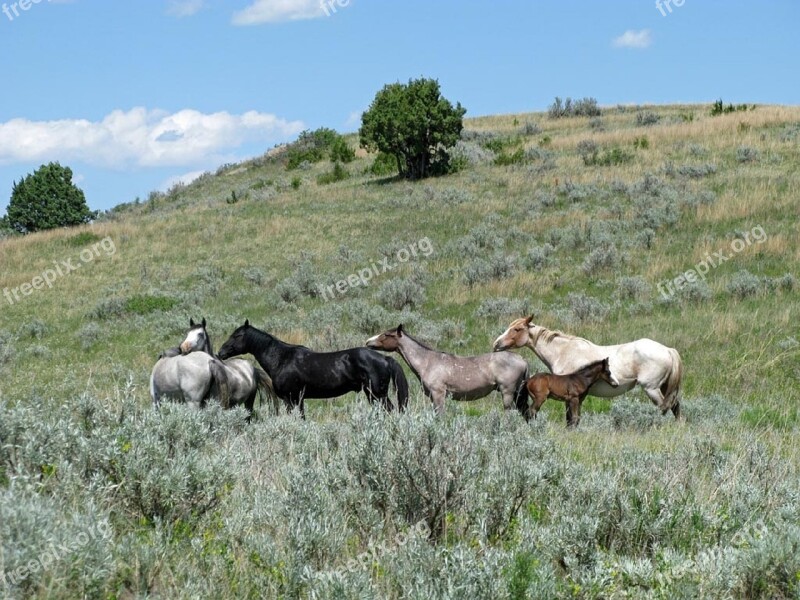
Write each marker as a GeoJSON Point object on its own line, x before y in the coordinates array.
{"type": "Point", "coordinates": [572, 389]}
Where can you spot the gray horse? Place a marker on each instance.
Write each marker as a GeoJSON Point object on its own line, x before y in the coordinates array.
{"type": "Point", "coordinates": [245, 381]}
{"type": "Point", "coordinates": [192, 378]}
{"type": "Point", "coordinates": [460, 377]}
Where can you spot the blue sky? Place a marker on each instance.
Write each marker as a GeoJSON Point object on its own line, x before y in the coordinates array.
{"type": "Point", "coordinates": [135, 95]}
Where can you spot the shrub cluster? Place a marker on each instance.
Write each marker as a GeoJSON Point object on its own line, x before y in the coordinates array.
{"type": "Point", "coordinates": [585, 107]}
{"type": "Point", "coordinates": [318, 145]}
{"type": "Point", "coordinates": [123, 501]}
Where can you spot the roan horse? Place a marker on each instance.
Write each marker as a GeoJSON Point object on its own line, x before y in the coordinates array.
{"type": "Point", "coordinates": [655, 367]}
{"type": "Point", "coordinates": [460, 377]}
{"type": "Point", "coordinates": [299, 373]}
{"type": "Point", "coordinates": [191, 378]}
{"type": "Point", "coordinates": [572, 389]}
{"type": "Point", "coordinates": [246, 382]}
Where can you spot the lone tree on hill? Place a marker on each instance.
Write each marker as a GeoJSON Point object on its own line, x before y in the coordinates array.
{"type": "Point", "coordinates": [415, 124]}
{"type": "Point", "coordinates": [47, 199]}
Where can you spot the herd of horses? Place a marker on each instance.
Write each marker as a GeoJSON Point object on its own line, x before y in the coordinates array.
{"type": "Point", "coordinates": [192, 372]}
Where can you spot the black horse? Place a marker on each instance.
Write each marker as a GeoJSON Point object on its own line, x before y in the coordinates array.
{"type": "Point", "coordinates": [298, 373]}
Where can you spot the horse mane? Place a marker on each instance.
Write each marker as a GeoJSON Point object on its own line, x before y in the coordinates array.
{"type": "Point", "coordinates": [548, 335]}
{"type": "Point", "coordinates": [265, 334]}
{"type": "Point", "coordinates": [426, 346]}
{"type": "Point", "coordinates": [593, 364]}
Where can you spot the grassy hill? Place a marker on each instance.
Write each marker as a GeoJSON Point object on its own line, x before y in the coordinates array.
{"type": "Point", "coordinates": [584, 248]}
{"type": "Point", "coordinates": [580, 222]}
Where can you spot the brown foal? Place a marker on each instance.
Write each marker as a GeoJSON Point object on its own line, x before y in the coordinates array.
{"type": "Point", "coordinates": [571, 389]}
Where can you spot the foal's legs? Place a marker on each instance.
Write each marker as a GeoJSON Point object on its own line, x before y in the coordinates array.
{"type": "Point", "coordinates": [573, 411]}
{"type": "Point", "coordinates": [538, 400]}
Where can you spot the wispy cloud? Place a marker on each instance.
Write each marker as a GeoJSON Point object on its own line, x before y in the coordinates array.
{"type": "Point", "coordinates": [184, 179]}
{"type": "Point", "coordinates": [634, 39]}
{"type": "Point", "coordinates": [141, 138]}
{"type": "Point", "coordinates": [275, 11]}
{"type": "Point", "coordinates": [185, 8]}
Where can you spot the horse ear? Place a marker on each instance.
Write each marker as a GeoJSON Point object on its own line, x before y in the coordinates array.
{"type": "Point", "coordinates": [400, 330]}
{"type": "Point", "coordinates": [191, 322]}
{"type": "Point", "coordinates": [247, 322]}
{"type": "Point", "coordinates": [204, 323]}
{"type": "Point", "coordinates": [529, 320]}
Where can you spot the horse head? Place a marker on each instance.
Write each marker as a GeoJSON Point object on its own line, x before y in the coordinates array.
{"type": "Point", "coordinates": [388, 341]}
{"type": "Point", "coordinates": [516, 336]}
{"type": "Point", "coordinates": [607, 376]}
{"type": "Point", "coordinates": [196, 339]}
{"type": "Point", "coordinates": [235, 345]}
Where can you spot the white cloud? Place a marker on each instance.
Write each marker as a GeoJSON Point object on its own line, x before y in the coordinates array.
{"type": "Point", "coordinates": [185, 179]}
{"type": "Point", "coordinates": [185, 8]}
{"type": "Point", "coordinates": [275, 11]}
{"type": "Point", "coordinates": [634, 39]}
{"type": "Point", "coordinates": [141, 137]}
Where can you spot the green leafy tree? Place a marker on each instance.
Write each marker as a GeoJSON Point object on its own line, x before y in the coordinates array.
{"type": "Point", "coordinates": [47, 199]}
{"type": "Point", "coordinates": [415, 124]}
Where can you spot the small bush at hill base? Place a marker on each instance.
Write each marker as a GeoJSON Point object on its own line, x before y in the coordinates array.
{"type": "Point", "coordinates": [493, 308]}
{"type": "Point", "coordinates": [586, 308]}
{"type": "Point", "coordinates": [746, 154]}
{"type": "Point", "coordinates": [399, 293]}
{"type": "Point", "coordinates": [646, 118]}
{"type": "Point", "coordinates": [744, 284]}
{"type": "Point", "coordinates": [338, 173]}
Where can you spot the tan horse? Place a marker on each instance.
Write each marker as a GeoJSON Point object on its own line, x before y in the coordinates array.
{"type": "Point", "coordinates": [572, 389]}
{"type": "Point", "coordinates": [655, 367]}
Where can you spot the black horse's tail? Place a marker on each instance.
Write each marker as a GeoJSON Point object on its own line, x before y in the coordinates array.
{"type": "Point", "coordinates": [400, 383]}
{"type": "Point", "coordinates": [265, 390]}
{"type": "Point", "coordinates": [219, 382]}
{"type": "Point", "coordinates": [521, 396]}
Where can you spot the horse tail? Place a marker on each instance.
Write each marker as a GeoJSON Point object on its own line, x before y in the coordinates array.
{"type": "Point", "coordinates": [672, 389]}
{"type": "Point", "coordinates": [219, 382]}
{"type": "Point", "coordinates": [521, 395]}
{"type": "Point", "coordinates": [400, 383]}
{"type": "Point", "coordinates": [265, 390]}
{"type": "Point", "coordinates": [154, 394]}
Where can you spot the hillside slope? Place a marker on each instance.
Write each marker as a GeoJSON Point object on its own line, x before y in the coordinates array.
{"type": "Point", "coordinates": [589, 249]}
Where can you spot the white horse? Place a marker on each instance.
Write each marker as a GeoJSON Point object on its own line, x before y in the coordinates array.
{"type": "Point", "coordinates": [193, 379]}
{"type": "Point", "coordinates": [245, 380]}
{"type": "Point", "coordinates": [656, 368]}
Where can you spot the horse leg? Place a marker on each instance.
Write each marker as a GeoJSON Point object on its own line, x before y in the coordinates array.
{"type": "Point", "coordinates": [438, 398]}
{"type": "Point", "coordinates": [537, 404]}
{"type": "Point", "coordinates": [676, 410]}
{"type": "Point", "coordinates": [573, 412]}
{"type": "Point", "coordinates": [250, 403]}
{"type": "Point", "coordinates": [657, 398]}
{"type": "Point", "coordinates": [379, 390]}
